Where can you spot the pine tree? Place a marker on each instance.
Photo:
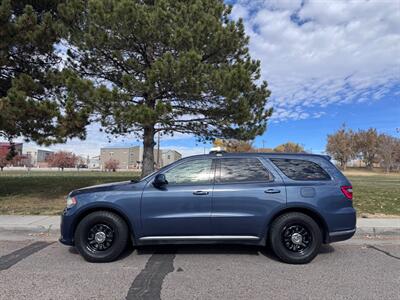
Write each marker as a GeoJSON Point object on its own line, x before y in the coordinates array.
{"type": "Point", "coordinates": [167, 66]}
{"type": "Point", "coordinates": [38, 100]}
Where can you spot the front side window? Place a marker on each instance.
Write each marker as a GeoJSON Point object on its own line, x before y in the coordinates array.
{"type": "Point", "coordinates": [191, 172]}
{"type": "Point", "coordinates": [243, 170]}
{"type": "Point", "coordinates": [298, 169]}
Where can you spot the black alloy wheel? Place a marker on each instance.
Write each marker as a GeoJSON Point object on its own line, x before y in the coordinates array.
{"type": "Point", "coordinates": [295, 238]}
{"type": "Point", "coordinates": [101, 236]}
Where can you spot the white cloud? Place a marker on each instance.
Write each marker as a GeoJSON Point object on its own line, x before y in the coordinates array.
{"type": "Point", "coordinates": [313, 54]}
{"type": "Point", "coordinates": [319, 53]}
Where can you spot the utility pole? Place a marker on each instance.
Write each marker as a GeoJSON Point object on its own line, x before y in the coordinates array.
{"type": "Point", "coordinates": [158, 150]}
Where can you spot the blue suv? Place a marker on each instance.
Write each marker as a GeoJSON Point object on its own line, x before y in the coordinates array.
{"type": "Point", "coordinates": [293, 202]}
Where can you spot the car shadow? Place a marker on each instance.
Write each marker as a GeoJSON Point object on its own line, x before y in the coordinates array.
{"type": "Point", "coordinates": [198, 249]}
{"type": "Point", "coordinates": [217, 250]}
{"type": "Point", "coordinates": [221, 249]}
{"type": "Point", "coordinates": [326, 249]}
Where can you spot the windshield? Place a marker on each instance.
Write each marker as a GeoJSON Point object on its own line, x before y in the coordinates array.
{"type": "Point", "coordinates": [146, 177]}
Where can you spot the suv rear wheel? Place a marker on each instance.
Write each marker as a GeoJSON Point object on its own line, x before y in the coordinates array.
{"type": "Point", "coordinates": [101, 236]}
{"type": "Point", "coordinates": [295, 238]}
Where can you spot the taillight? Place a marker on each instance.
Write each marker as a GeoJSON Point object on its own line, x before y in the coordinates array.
{"type": "Point", "coordinates": [347, 190]}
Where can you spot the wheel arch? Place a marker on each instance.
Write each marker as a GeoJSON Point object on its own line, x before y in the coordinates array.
{"type": "Point", "coordinates": [104, 207]}
{"type": "Point", "coordinates": [312, 213]}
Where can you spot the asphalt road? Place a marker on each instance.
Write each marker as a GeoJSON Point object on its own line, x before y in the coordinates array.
{"type": "Point", "coordinates": [38, 267]}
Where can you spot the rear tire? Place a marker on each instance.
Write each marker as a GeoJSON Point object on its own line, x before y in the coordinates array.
{"type": "Point", "coordinates": [295, 238]}
{"type": "Point", "coordinates": [101, 236]}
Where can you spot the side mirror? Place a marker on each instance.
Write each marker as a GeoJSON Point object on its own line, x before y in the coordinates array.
{"type": "Point", "coordinates": [160, 180]}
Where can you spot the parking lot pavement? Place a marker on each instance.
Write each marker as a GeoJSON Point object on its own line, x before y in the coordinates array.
{"type": "Point", "coordinates": [38, 267]}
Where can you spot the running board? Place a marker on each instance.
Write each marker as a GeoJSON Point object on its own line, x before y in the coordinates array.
{"type": "Point", "coordinates": [199, 237]}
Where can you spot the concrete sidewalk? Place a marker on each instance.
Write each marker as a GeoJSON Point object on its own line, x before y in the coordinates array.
{"type": "Point", "coordinates": [37, 224]}
{"type": "Point", "coordinates": [30, 223]}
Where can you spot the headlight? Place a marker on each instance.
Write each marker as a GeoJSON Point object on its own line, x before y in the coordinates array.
{"type": "Point", "coordinates": [71, 201]}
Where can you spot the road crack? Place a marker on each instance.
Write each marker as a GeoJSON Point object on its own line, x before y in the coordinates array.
{"type": "Point", "coordinates": [383, 251]}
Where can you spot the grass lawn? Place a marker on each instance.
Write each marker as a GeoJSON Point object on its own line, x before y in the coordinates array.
{"type": "Point", "coordinates": [375, 193]}
{"type": "Point", "coordinates": [44, 192]}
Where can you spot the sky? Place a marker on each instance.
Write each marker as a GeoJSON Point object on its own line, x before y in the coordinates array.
{"type": "Point", "coordinates": [327, 63]}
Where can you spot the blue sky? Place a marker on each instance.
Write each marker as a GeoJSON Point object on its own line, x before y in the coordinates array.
{"type": "Point", "coordinates": [326, 62]}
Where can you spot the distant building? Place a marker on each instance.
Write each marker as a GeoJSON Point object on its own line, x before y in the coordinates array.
{"type": "Point", "coordinates": [94, 162]}
{"type": "Point", "coordinates": [128, 158]}
{"type": "Point", "coordinates": [38, 157]}
{"type": "Point", "coordinates": [131, 157]}
{"type": "Point", "coordinates": [5, 148]}
{"type": "Point", "coordinates": [19, 159]}
{"type": "Point", "coordinates": [169, 156]}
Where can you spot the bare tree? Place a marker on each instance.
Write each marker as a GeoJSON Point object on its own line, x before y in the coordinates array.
{"type": "Point", "coordinates": [111, 165]}
{"type": "Point", "coordinates": [388, 149]}
{"type": "Point", "coordinates": [290, 147]}
{"type": "Point", "coordinates": [340, 146]}
{"type": "Point", "coordinates": [3, 160]}
{"type": "Point", "coordinates": [366, 146]}
{"type": "Point", "coordinates": [62, 160]}
{"type": "Point", "coordinates": [232, 145]}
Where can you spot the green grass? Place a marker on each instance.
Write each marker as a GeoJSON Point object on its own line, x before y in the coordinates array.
{"type": "Point", "coordinates": [44, 192]}
{"type": "Point", "coordinates": [376, 193]}
{"type": "Point", "coordinates": [41, 192]}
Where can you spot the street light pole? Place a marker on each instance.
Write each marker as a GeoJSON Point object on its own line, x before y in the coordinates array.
{"type": "Point", "coordinates": [158, 150]}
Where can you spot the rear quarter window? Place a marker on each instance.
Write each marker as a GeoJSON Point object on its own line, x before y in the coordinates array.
{"type": "Point", "coordinates": [299, 169]}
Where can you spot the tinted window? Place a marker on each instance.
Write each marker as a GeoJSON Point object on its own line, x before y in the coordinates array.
{"type": "Point", "coordinates": [298, 169]}
{"type": "Point", "coordinates": [243, 169]}
{"type": "Point", "coordinates": [195, 171]}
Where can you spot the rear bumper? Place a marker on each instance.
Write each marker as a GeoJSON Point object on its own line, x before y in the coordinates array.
{"type": "Point", "coordinates": [337, 236]}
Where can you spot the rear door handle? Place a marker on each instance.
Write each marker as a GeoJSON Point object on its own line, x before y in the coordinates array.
{"type": "Point", "coordinates": [197, 193]}
{"type": "Point", "coordinates": [272, 191]}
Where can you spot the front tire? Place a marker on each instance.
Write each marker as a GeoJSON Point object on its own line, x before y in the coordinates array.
{"type": "Point", "coordinates": [101, 236]}
{"type": "Point", "coordinates": [295, 238]}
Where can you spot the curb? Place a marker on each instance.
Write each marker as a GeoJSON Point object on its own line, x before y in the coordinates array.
{"type": "Point", "coordinates": [361, 231]}
{"type": "Point", "coordinates": [30, 229]}
{"type": "Point", "coordinates": [377, 231]}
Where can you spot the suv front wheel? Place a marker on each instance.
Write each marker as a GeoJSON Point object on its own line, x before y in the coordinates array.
{"type": "Point", "coordinates": [295, 238]}
{"type": "Point", "coordinates": [101, 236]}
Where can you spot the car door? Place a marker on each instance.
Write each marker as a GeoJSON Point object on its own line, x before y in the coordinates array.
{"type": "Point", "coordinates": [246, 192]}
{"type": "Point", "coordinates": [183, 206]}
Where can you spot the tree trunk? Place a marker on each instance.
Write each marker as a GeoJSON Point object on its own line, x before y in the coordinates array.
{"type": "Point", "coordinates": [148, 151]}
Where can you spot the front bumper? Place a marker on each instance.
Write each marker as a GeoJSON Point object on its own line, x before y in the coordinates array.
{"type": "Point", "coordinates": [337, 236]}
{"type": "Point", "coordinates": [66, 229]}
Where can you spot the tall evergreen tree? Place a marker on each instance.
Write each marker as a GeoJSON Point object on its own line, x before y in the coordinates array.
{"type": "Point", "coordinates": [37, 100]}
{"type": "Point", "coordinates": [167, 66]}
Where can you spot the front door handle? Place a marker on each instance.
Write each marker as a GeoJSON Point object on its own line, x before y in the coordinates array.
{"type": "Point", "coordinates": [272, 191]}
{"type": "Point", "coordinates": [197, 193]}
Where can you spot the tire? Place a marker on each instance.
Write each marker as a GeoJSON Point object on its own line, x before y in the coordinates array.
{"type": "Point", "coordinates": [292, 249]}
{"type": "Point", "coordinates": [101, 236]}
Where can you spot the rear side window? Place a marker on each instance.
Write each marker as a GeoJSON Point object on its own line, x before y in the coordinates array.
{"type": "Point", "coordinates": [298, 169]}
{"type": "Point", "coordinates": [243, 170]}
